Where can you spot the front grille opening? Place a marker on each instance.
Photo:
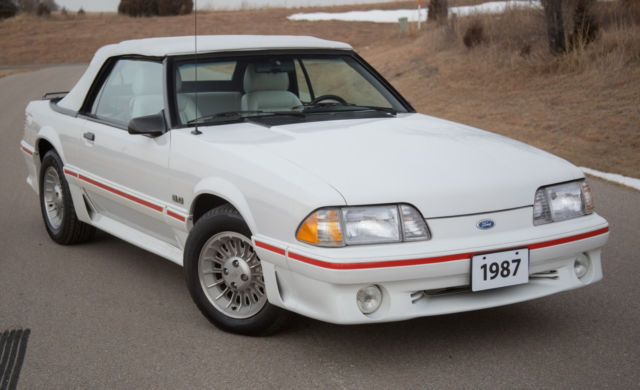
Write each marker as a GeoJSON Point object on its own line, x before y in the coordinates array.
{"type": "Point", "coordinates": [416, 296]}
{"type": "Point", "coordinates": [438, 292]}
{"type": "Point", "coordinates": [551, 274]}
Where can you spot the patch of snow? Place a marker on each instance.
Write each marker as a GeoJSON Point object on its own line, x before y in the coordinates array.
{"type": "Point", "coordinates": [493, 7]}
{"type": "Point", "coordinates": [375, 15]}
{"type": "Point", "coordinates": [614, 177]}
{"type": "Point", "coordinates": [392, 16]}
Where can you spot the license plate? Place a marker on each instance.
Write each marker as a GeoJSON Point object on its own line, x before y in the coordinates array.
{"type": "Point", "coordinates": [499, 269]}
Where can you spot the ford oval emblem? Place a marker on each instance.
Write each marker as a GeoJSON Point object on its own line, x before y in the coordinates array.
{"type": "Point", "coordinates": [485, 224]}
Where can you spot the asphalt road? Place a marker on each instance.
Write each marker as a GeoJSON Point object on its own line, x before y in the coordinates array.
{"type": "Point", "coordinates": [109, 315]}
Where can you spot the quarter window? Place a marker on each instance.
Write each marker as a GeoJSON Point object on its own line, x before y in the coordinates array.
{"type": "Point", "coordinates": [134, 88]}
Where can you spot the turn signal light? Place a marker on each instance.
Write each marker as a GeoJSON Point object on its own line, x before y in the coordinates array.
{"type": "Point", "coordinates": [321, 228]}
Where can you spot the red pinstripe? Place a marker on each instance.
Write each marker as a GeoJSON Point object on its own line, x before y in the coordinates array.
{"type": "Point", "coordinates": [123, 194]}
{"type": "Point", "coordinates": [143, 202]}
{"type": "Point", "coordinates": [421, 261]}
{"type": "Point", "coordinates": [176, 216]}
{"type": "Point", "coordinates": [70, 173]}
{"type": "Point", "coordinates": [271, 248]}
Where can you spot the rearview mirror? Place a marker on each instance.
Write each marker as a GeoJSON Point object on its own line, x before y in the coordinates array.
{"type": "Point", "coordinates": [151, 125]}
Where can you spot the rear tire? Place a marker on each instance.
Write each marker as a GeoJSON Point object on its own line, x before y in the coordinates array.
{"type": "Point", "coordinates": [56, 205]}
{"type": "Point", "coordinates": [224, 275]}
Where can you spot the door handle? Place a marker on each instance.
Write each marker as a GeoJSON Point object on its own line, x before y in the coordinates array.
{"type": "Point", "coordinates": [89, 135]}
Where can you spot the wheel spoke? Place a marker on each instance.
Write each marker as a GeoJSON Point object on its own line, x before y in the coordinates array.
{"type": "Point", "coordinates": [233, 245]}
{"type": "Point", "coordinates": [250, 302]}
{"type": "Point", "coordinates": [222, 293]}
{"type": "Point", "coordinates": [216, 283]}
{"type": "Point", "coordinates": [224, 250]}
{"type": "Point", "coordinates": [233, 296]}
{"type": "Point", "coordinates": [213, 260]}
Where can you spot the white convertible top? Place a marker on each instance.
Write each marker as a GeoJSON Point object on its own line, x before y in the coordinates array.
{"type": "Point", "coordinates": [167, 46]}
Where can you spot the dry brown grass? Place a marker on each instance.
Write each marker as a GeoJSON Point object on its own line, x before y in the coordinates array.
{"type": "Point", "coordinates": [584, 106]}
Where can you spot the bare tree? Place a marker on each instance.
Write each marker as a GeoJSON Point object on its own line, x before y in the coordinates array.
{"type": "Point", "coordinates": [27, 5]}
{"type": "Point", "coordinates": [30, 6]}
{"type": "Point", "coordinates": [555, 26]}
{"type": "Point", "coordinates": [51, 4]}
{"type": "Point", "coordinates": [155, 7]}
{"type": "Point", "coordinates": [7, 9]}
{"type": "Point", "coordinates": [438, 11]}
{"type": "Point", "coordinates": [585, 24]}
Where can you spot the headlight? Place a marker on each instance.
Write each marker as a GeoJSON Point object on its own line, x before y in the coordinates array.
{"type": "Point", "coordinates": [561, 202]}
{"type": "Point", "coordinates": [339, 226]}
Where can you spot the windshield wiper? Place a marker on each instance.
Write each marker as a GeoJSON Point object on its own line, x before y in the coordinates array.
{"type": "Point", "coordinates": [388, 110]}
{"type": "Point", "coordinates": [347, 108]}
{"type": "Point", "coordinates": [243, 115]}
{"type": "Point", "coordinates": [227, 114]}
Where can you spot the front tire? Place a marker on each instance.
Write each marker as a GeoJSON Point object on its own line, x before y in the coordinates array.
{"type": "Point", "coordinates": [56, 205]}
{"type": "Point", "coordinates": [224, 275]}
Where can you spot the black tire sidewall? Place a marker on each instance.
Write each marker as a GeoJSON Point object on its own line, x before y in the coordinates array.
{"type": "Point", "coordinates": [214, 222]}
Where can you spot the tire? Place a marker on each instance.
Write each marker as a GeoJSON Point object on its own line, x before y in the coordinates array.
{"type": "Point", "coordinates": [56, 205]}
{"type": "Point", "coordinates": [224, 275]}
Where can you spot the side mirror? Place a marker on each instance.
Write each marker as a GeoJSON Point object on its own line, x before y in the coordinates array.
{"type": "Point", "coordinates": [151, 125]}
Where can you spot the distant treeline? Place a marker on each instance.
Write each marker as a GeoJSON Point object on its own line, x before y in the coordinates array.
{"type": "Point", "coordinates": [155, 7]}
{"type": "Point", "coordinates": [9, 8]}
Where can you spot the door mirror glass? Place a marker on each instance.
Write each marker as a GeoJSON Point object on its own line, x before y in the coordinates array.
{"type": "Point", "coordinates": [152, 125]}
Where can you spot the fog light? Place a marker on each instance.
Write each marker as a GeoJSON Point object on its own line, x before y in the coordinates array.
{"type": "Point", "coordinates": [581, 266]}
{"type": "Point", "coordinates": [369, 299]}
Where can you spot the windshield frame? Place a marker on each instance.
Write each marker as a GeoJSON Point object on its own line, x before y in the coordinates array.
{"type": "Point", "coordinates": [174, 61]}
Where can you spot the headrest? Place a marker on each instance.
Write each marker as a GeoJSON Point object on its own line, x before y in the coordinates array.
{"type": "Point", "coordinates": [254, 81]}
{"type": "Point", "coordinates": [148, 80]}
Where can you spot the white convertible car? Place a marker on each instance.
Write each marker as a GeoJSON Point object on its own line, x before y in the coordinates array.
{"type": "Point", "coordinates": [283, 172]}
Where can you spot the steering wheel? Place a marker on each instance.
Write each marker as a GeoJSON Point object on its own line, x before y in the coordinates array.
{"type": "Point", "coordinates": [328, 97]}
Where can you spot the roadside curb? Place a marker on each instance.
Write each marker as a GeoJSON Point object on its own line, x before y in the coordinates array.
{"type": "Point", "coordinates": [629, 182]}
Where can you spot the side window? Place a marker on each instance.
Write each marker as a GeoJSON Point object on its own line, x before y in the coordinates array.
{"type": "Point", "coordinates": [134, 88]}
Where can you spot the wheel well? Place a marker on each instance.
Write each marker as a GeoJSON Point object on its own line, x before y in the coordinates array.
{"type": "Point", "coordinates": [204, 203]}
{"type": "Point", "coordinates": [43, 147]}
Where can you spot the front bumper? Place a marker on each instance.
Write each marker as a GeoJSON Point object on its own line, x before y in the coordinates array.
{"type": "Point", "coordinates": [430, 277]}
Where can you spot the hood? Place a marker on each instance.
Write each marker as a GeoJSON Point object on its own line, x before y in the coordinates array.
{"type": "Point", "coordinates": [443, 168]}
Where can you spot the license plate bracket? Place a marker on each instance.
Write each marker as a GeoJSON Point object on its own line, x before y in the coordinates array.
{"type": "Point", "coordinates": [499, 269]}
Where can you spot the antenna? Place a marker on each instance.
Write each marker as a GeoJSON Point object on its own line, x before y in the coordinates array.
{"type": "Point", "coordinates": [195, 38]}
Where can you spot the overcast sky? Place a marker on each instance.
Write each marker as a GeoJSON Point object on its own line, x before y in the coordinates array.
{"type": "Point", "coordinates": [112, 5]}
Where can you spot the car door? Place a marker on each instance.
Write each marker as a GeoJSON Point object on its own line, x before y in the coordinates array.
{"type": "Point", "coordinates": [125, 175]}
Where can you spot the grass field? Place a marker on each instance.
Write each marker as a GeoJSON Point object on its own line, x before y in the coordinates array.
{"type": "Point", "coordinates": [584, 106]}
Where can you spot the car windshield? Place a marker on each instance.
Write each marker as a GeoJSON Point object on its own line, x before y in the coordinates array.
{"type": "Point", "coordinates": [292, 87]}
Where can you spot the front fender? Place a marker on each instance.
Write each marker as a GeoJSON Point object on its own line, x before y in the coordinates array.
{"type": "Point", "coordinates": [226, 190]}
